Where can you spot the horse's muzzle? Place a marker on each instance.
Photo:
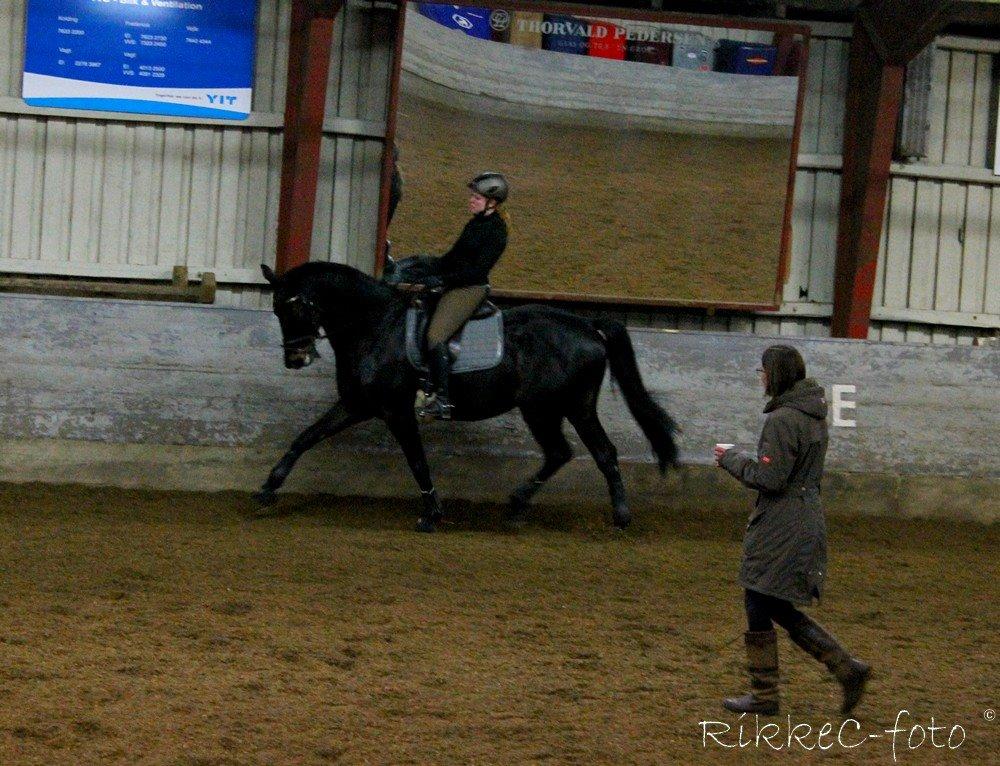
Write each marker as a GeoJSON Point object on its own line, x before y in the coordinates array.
{"type": "Point", "coordinates": [302, 357]}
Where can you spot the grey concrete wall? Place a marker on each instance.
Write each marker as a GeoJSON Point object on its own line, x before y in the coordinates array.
{"type": "Point", "coordinates": [79, 372]}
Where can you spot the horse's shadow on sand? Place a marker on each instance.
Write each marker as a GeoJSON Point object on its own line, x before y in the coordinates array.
{"type": "Point", "coordinates": [460, 515]}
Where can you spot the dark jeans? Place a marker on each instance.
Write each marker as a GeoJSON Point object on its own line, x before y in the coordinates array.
{"type": "Point", "coordinates": [763, 609]}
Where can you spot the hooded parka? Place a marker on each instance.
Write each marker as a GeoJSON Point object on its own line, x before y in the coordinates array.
{"type": "Point", "coordinates": [784, 548]}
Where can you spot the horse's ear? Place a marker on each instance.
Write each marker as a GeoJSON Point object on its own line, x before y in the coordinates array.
{"type": "Point", "coordinates": [268, 273]}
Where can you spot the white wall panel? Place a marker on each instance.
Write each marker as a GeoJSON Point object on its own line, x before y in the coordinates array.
{"type": "Point", "coordinates": [895, 263]}
{"type": "Point", "coordinates": [980, 147]}
{"type": "Point", "coordinates": [939, 241]}
{"type": "Point", "coordinates": [11, 46]}
{"type": "Point", "coordinates": [797, 285]}
{"type": "Point", "coordinates": [833, 89]}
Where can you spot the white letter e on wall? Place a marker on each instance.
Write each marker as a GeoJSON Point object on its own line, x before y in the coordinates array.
{"type": "Point", "coordinates": [840, 404]}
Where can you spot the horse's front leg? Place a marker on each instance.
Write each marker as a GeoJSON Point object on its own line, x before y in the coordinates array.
{"type": "Point", "coordinates": [404, 427]}
{"type": "Point", "coordinates": [336, 419]}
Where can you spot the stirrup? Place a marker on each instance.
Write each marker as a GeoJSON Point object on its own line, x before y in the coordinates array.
{"type": "Point", "coordinates": [431, 407]}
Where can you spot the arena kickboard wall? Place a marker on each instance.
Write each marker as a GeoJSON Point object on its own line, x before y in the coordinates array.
{"type": "Point", "coordinates": [128, 372]}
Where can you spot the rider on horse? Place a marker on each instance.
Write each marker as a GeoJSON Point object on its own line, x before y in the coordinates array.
{"type": "Point", "coordinates": [463, 274]}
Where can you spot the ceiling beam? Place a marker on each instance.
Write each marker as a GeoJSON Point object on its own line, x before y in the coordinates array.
{"type": "Point", "coordinates": [900, 30]}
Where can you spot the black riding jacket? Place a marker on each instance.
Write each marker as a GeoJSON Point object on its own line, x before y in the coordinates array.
{"type": "Point", "coordinates": [477, 250]}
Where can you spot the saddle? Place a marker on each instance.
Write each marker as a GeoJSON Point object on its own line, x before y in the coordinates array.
{"type": "Point", "coordinates": [477, 346]}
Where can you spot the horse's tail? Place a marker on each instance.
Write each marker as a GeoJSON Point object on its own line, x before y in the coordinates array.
{"type": "Point", "coordinates": [658, 426]}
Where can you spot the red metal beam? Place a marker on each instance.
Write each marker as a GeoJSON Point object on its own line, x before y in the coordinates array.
{"type": "Point", "coordinates": [887, 35]}
{"type": "Point", "coordinates": [874, 97]}
{"type": "Point", "coordinates": [308, 68]}
{"type": "Point", "coordinates": [398, 27]}
{"type": "Point", "coordinates": [788, 59]}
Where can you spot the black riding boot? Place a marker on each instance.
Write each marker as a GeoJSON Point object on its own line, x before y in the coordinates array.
{"type": "Point", "coordinates": [852, 673]}
{"type": "Point", "coordinates": [436, 404]}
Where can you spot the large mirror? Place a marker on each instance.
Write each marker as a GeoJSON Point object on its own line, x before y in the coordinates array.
{"type": "Point", "coordinates": [650, 159]}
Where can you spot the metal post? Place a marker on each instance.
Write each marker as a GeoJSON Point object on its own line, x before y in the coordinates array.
{"type": "Point", "coordinates": [308, 68]}
{"type": "Point", "coordinates": [874, 96]}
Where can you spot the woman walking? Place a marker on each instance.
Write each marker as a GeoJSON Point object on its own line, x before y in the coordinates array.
{"type": "Point", "coordinates": [784, 548]}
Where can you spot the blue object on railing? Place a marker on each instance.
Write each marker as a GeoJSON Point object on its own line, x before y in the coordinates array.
{"type": "Point", "coordinates": [738, 57]}
{"type": "Point", "coordinates": [475, 22]}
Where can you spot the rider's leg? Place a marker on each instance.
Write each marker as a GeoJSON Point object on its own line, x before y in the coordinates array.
{"type": "Point", "coordinates": [438, 368]}
{"type": "Point", "coordinates": [452, 311]}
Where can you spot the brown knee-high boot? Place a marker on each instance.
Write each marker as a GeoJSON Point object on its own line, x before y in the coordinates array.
{"type": "Point", "coordinates": [762, 665]}
{"type": "Point", "coordinates": [852, 673]}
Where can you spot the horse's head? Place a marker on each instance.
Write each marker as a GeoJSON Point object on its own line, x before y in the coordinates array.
{"type": "Point", "coordinates": [299, 319]}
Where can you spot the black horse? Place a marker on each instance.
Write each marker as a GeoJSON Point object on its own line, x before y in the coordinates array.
{"type": "Point", "coordinates": [552, 369]}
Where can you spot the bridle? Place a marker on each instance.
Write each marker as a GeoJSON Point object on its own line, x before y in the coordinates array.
{"type": "Point", "coordinates": [299, 344]}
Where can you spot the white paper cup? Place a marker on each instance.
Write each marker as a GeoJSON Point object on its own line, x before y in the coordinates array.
{"type": "Point", "coordinates": [723, 447]}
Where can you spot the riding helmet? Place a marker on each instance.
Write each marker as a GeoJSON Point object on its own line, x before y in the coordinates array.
{"type": "Point", "coordinates": [491, 185]}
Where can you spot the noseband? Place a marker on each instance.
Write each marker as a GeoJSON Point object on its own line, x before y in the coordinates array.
{"type": "Point", "coordinates": [302, 340]}
{"type": "Point", "coordinates": [296, 344]}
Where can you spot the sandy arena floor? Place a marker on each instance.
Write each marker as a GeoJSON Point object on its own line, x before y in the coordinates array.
{"type": "Point", "coordinates": [145, 628]}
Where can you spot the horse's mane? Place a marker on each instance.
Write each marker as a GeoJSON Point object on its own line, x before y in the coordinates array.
{"type": "Point", "coordinates": [339, 277]}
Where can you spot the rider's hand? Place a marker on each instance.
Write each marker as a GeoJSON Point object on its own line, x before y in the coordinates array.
{"type": "Point", "coordinates": [409, 287]}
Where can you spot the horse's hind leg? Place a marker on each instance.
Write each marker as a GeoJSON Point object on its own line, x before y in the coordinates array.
{"type": "Point", "coordinates": [547, 430]}
{"type": "Point", "coordinates": [606, 456]}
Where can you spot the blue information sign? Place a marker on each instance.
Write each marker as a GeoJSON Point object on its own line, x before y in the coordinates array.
{"type": "Point", "coordinates": [192, 58]}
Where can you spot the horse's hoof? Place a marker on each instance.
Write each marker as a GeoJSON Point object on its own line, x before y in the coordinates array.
{"type": "Point", "coordinates": [517, 515]}
{"type": "Point", "coordinates": [265, 498]}
{"type": "Point", "coordinates": [516, 521]}
{"type": "Point", "coordinates": [622, 518]}
{"type": "Point", "coordinates": [425, 524]}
